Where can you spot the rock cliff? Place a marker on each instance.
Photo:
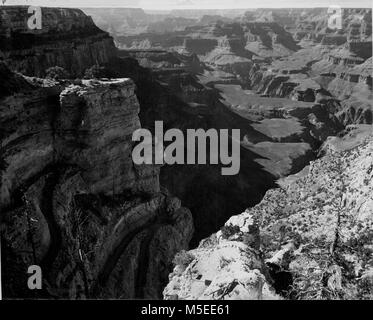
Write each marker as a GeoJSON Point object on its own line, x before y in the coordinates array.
{"type": "Point", "coordinates": [73, 202]}
{"type": "Point", "coordinates": [309, 239]}
{"type": "Point", "coordinates": [67, 38]}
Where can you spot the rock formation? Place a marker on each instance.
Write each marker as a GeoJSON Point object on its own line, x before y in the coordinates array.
{"type": "Point", "coordinates": [73, 202]}
{"type": "Point", "coordinates": [309, 239]}
{"type": "Point", "coordinates": [312, 23]}
{"type": "Point", "coordinates": [68, 39]}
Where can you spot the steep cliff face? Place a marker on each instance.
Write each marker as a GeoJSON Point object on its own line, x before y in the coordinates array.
{"type": "Point", "coordinates": [94, 131]}
{"type": "Point", "coordinates": [313, 236]}
{"type": "Point", "coordinates": [73, 202]}
{"type": "Point", "coordinates": [27, 111]}
{"type": "Point", "coordinates": [355, 89]}
{"type": "Point", "coordinates": [269, 39]}
{"type": "Point", "coordinates": [80, 125]}
{"type": "Point", "coordinates": [67, 38]}
{"type": "Point", "coordinates": [348, 78]}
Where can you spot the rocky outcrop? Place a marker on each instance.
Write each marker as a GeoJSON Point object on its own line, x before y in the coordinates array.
{"type": "Point", "coordinates": [353, 86]}
{"type": "Point", "coordinates": [67, 38]}
{"type": "Point", "coordinates": [73, 202]}
{"type": "Point", "coordinates": [314, 233]}
{"type": "Point", "coordinates": [82, 125]}
{"type": "Point", "coordinates": [94, 131]}
{"type": "Point", "coordinates": [268, 39]}
{"type": "Point", "coordinates": [219, 270]}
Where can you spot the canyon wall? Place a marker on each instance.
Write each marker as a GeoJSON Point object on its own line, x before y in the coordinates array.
{"type": "Point", "coordinates": [74, 203]}
{"type": "Point", "coordinates": [309, 239]}
{"type": "Point", "coordinates": [67, 38]}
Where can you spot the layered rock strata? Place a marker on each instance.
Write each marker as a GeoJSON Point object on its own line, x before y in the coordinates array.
{"type": "Point", "coordinates": [67, 38]}
{"type": "Point", "coordinates": [74, 203]}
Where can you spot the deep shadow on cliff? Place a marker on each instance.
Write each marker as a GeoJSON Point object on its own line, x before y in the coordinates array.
{"type": "Point", "coordinates": [73, 202]}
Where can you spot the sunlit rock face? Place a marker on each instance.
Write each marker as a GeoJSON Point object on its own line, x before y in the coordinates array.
{"type": "Point", "coordinates": [314, 233]}
{"type": "Point", "coordinates": [68, 38]}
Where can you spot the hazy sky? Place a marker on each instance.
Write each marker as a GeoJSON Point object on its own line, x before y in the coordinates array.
{"type": "Point", "coordinates": [196, 4]}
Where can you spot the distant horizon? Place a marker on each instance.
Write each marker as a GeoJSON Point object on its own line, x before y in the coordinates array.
{"type": "Point", "coordinates": [176, 9]}
{"type": "Point", "coordinates": [169, 5]}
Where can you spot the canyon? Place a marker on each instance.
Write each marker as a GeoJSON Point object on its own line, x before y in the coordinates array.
{"type": "Point", "coordinates": [73, 201]}
{"type": "Point", "coordinates": [309, 239]}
